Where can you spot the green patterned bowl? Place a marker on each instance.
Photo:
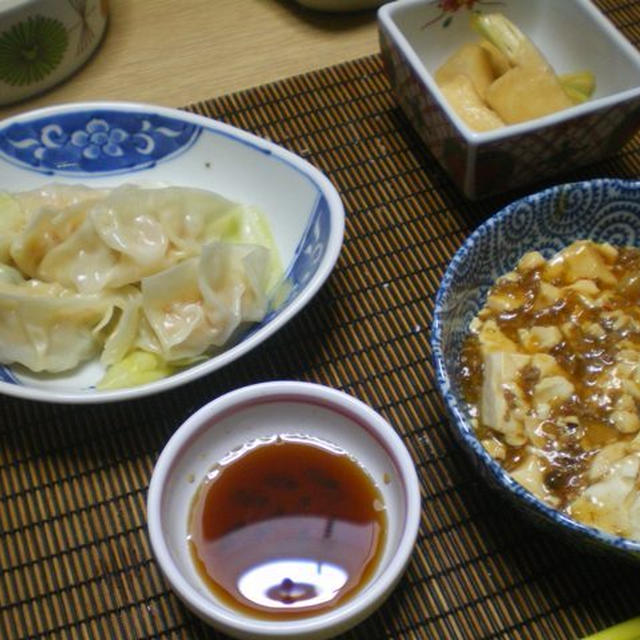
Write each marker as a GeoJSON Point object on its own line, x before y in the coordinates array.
{"type": "Point", "coordinates": [44, 41]}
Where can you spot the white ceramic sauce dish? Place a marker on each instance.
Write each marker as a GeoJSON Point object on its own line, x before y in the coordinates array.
{"type": "Point", "coordinates": [260, 411]}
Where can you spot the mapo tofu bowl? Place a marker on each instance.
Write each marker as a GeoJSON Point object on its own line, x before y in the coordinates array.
{"type": "Point", "coordinates": [536, 344]}
{"type": "Point", "coordinates": [417, 37]}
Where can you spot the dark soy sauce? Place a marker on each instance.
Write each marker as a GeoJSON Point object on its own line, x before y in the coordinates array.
{"type": "Point", "coordinates": [287, 527]}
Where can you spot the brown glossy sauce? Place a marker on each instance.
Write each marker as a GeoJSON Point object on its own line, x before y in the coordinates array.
{"type": "Point", "coordinates": [569, 447]}
{"type": "Point", "coordinates": [287, 527]}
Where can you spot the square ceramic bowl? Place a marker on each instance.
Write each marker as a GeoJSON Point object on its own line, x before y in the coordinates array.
{"type": "Point", "coordinates": [417, 36]}
{"type": "Point", "coordinates": [107, 144]}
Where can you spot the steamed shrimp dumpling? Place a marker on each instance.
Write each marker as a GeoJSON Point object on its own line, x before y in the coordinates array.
{"type": "Point", "coordinates": [45, 231]}
{"type": "Point", "coordinates": [46, 327]}
{"type": "Point", "coordinates": [82, 261]}
{"type": "Point", "coordinates": [150, 230]}
{"type": "Point", "coordinates": [34, 222]}
{"type": "Point", "coordinates": [200, 302]}
{"type": "Point", "coordinates": [156, 228]}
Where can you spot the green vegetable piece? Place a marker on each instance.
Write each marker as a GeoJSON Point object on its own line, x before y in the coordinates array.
{"type": "Point", "coordinates": [503, 34]}
{"type": "Point", "coordinates": [579, 86]}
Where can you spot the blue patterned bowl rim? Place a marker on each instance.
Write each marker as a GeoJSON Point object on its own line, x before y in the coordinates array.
{"type": "Point", "coordinates": [458, 416]}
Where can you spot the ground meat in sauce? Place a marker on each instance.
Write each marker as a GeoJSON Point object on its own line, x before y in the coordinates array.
{"type": "Point", "coordinates": [585, 303]}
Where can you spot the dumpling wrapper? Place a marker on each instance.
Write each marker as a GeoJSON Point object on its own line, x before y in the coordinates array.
{"type": "Point", "coordinates": [56, 196]}
{"type": "Point", "coordinates": [48, 328]}
{"type": "Point", "coordinates": [12, 219]}
{"type": "Point", "coordinates": [200, 302]}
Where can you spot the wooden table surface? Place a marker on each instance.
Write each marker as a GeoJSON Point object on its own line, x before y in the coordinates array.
{"type": "Point", "coordinates": [176, 52]}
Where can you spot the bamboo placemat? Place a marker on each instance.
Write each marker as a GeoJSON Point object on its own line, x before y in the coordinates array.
{"type": "Point", "coordinates": [75, 560]}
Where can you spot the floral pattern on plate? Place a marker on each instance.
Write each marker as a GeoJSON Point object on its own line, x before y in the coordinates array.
{"type": "Point", "coordinates": [100, 142]}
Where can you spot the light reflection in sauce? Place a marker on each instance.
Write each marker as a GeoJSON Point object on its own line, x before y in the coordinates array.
{"type": "Point", "coordinates": [294, 582]}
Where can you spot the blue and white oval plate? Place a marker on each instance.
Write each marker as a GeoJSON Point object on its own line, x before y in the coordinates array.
{"type": "Point", "coordinates": [105, 144]}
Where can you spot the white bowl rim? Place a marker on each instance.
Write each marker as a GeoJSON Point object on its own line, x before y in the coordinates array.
{"type": "Point", "coordinates": [495, 135]}
{"type": "Point", "coordinates": [455, 409]}
{"type": "Point", "coordinates": [362, 603]}
{"type": "Point", "coordinates": [334, 245]}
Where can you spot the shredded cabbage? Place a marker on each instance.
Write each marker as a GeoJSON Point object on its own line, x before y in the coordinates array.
{"type": "Point", "coordinates": [136, 368]}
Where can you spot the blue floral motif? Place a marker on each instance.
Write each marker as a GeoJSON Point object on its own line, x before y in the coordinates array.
{"type": "Point", "coordinates": [312, 247]}
{"type": "Point", "coordinates": [101, 142]}
{"type": "Point", "coordinates": [97, 137]}
{"type": "Point", "coordinates": [605, 210]}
